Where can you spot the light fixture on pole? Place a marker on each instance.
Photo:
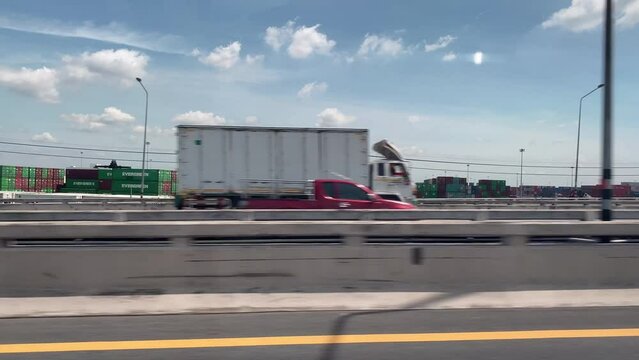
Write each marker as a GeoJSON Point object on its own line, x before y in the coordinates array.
{"type": "Point", "coordinates": [579, 131]}
{"type": "Point", "coordinates": [521, 174]}
{"type": "Point", "coordinates": [146, 112]}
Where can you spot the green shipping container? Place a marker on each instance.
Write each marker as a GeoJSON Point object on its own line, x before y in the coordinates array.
{"type": "Point", "coordinates": [7, 184]}
{"type": "Point", "coordinates": [7, 171]}
{"type": "Point", "coordinates": [61, 173]}
{"type": "Point", "coordinates": [135, 174]}
{"type": "Point", "coordinates": [31, 173]}
{"type": "Point", "coordinates": [133, 187]}
{"type": "Point", "coordinates": [45, 173]}
{"type": "Point", "coordinates": [78, 190]}
{"type": "Point", "coordinates": [164, 175]}
{"type": "Point", "coordinates": [82, 184]}
{"type": "Point", "coordinates": [105, 174]}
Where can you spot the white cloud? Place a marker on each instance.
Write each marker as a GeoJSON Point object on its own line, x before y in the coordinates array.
{"type": "Point", "coordinates": [332, 117]}
{"type": "Point", "coordinates": [223, 57]}
{"type": "Point", "coordinates": [478, 58]}
{"type": "Point", "coordinates": [630, 14]}
{"type": "Point", "coordinates": [199, 118]}
{"type": "Point", "coordinates": [307, 41]}
{"type": "Point", "coordinates": [411, 151]}
{"type": "Point", "coordinates": [154, 130]}
{"type": "Point", "coordinates": [302, 41]}
{"type": "Point", "coordinates": [114, 115]}
{"type": "Point", "coordinates": [583, 15]}
{"type": "Point", "coordinates": [44, 137]}
{"type": "Point", "coordinates": [380, 45]}
{"type": "Point", "coordinates": [93, 122]}
{"type": "Point", "coordinates": [441, 43]}
{"type": "Point", "coordinates": [312, 88]}
{"type": "Point", "coordinates": [276, 37]}
{"type": "Point", "coordinates": [451, 56]}
{"type": "Point", "coordinates": [40, 83]}
{"type": "Point", "coordinates": [112, 32]}
{"type": "Point", "coordinates": [251, 120]}
{"type": "Point", "coordinates": [123, 65]}
{"type": "Point", "coordinates": [414, 119]}
{"type": "Point", "coordinates": [254, 59]}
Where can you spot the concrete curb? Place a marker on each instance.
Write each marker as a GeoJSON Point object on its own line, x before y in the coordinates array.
{"type": "Point", "coordinates": [246, 303]}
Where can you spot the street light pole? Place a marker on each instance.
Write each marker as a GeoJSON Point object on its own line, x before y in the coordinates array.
{"type": "Point", "coordinates": [579, 131]}
{"type": "Point", "coordinates": [606, 201]}
{"type": "Point", "coordinates": [521, 174]}
{"type": "Point", "coordinates": [146, 112]}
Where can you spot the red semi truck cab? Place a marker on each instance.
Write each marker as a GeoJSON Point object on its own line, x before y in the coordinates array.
{"type": "Point", "coordinates": [329, 194]}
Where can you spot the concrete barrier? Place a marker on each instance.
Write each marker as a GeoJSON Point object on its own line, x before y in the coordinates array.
{"type": "Point", "coordinates": [309, 215]}
{"type": "Point", "coordinates": [56, 258]}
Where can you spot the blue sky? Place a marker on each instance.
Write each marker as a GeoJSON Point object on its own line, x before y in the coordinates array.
{"type": "Point", "coordinates": [468, 81]}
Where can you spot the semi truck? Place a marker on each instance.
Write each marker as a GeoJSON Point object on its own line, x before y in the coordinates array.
{"type": "Point", "coordinates": [226, 166]}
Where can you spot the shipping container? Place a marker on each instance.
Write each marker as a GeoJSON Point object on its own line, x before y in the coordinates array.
{"type": "Point", "coordinates": [105, 174]}
{"type": "Point", "coordinates": [133, 175]}
{"type": "Point", "coordinates": [82, 183]}
{"type": "Point", "coordinates": [133, 187]}
{"type": "Point", "coordinates": [7, 184]}
{"type": "Point", "coordinates": [7, 171]}
{"type": "Point", "coordinates": [82, 174]}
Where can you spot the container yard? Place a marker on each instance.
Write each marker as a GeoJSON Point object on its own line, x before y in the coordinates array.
{"type": "Point", "coordinates": [120, 181]}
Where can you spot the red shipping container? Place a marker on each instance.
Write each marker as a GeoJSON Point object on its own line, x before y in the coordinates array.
{"type": "Point", "coordinates": [38, 173]}
{"type": "Point", "coordinates": [18, 171]}
{"type": "Point", "coordinates": [82, 174]}
{"type": "Point", "coordinates": [173, 175]}
{"type": "Point", "coordinates": [166, 187]}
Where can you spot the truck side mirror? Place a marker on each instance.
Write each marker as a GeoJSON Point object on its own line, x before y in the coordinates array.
{"type": "Point", "coordinates": [372, 197]}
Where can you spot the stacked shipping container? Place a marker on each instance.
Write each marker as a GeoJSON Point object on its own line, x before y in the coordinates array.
{"type": "Point", "coordinates": [443, 187]}
{"type": "Point", "coordinates": [32, 179]}
{"type": "Point", "coordinates": [121, 181]}
{"type": "Point", "coordinates": [491, 189]}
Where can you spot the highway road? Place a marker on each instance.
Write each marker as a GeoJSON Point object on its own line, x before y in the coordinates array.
{"type": "Point", "coordinates": [526, 334]}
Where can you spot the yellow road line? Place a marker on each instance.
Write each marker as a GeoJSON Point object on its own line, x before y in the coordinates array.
{"type": "Point", "coordinates": [314, 340]}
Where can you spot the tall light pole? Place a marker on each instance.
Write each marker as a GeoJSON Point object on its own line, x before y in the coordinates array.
{"type": "Point", "coordinates": [521, 173]}
{"type": "Point", "coordinates": [146, 112]}
{"type": "Point", "coordinates": [81, 157]}
{"type": "Point", "coordinates": [606, 186]}
{"type": "Point", "coordinates": [579, 130]}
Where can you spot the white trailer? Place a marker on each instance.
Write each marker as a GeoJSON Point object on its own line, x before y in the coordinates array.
{"type": "Point", "coordinates": [218, 161]}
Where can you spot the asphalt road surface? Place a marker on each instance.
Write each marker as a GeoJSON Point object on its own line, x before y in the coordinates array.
{"type": "Point", "coordinates": [524, 334]}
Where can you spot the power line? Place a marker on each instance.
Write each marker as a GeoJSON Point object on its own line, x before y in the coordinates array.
{"type": "Point", "coordinates": [84, 148]}
{"type": "Point", "coordinates": [80, 157]}
{"type": "Point", "coordinates": [503, 165]}
{"type": "Point", "coordinates": [509, 173]}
